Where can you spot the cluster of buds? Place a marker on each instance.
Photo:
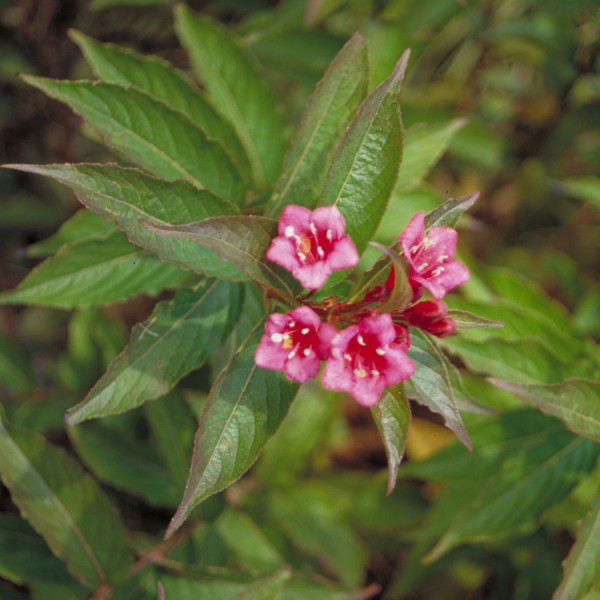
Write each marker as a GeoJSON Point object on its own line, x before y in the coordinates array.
{"type": "Point", "coordinates": [364, 348]}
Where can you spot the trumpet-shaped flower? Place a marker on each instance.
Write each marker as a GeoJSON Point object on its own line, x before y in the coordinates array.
{"type": "Point", "coordinates": [364, 359]}
{"type": "Point", "coordinates": [311, 244]}
{"type": "Point", "coordinates": [430, 257]}
{"type": "Point", "coordinates": [295, 343]}
{"type": "Point", "coordinates": [430, 315]}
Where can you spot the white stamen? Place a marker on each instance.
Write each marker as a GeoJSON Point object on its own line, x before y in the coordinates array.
{"type": "Point", "coordinates": [305, 331]}
{"type": "Point", "coordinates": [291, 323]}
{"type": "Point", "coordinates": [415, 248]}
{"type": "Point", "coordinates": [307, 352]}
{"type": "Point", "coordinates": [302, 256]}
{"type": "Point", "coordinates": [313, 229]}
{"type": "Point", "coordinates": [289, 231]}
{"type": "Point", "coordinates": [360, 373]}
{"type": "Point", "coordinates": [423, 266]}
{"type": "Point", "coordinates": [329, 235]}
{"type": "Point", "coordinates": [429, 241]}
{"type": "Point", "coordinates": [361, 340]}
{"type": "Point", "coordinates": [380, 351]}
{"type": "Point", "coordinates": [442, 258]}
{"type": "Point", "coordinates": [285, 336]}
{"type": "Point", "coordinates": [437, 271]}
{"type": "Point", "coordinates": [320, 252]}
{"type": "Point", "coordinates": [348, 357]}
{"type": "Point", "coordinates": [374, 372]}
{"type": "Point", "coordinates": [277, 338]}
{"type": "Point", "coordinates": [292, 354]}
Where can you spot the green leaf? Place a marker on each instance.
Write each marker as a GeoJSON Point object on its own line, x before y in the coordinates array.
{"type": "Point", "coordinates": [581, 568]}
{"type": "Point", "coordinates": [65, 506]}
{"type": "Point", "coordinates": [365, 167]}
{"type": "Point", "coordinates": [467, 320]}
{"type": "Point", "coordinates": [573, 401]}
{"type": "Point", "coordinates": [238, 91]}
{"type": "Point", "coordinates": [431, 383]}
{"type": "Point", "coordinates": [243, 240]}
{"type": "Point", "coordinates": [448, 213]}
{"type": "Point", "coordinates": [534, 479]}
{"type": "Point", "coordinates": [266, 588]}
{"type": "Point", "coordinates": [327, 114]}
{"type": "Point", "coordinates": [424, 144]}
{"type": "Point", "coordinates": [586, 188]}
{"type": "Point", "coordinates": [157, 77]}
{"type": "Point", "coordinates": [122, 462]}
{"type": "Point", "coordinates": [177, 338]}
{"type": "Point", "coordinates": [127, 195]}
{"type": "Point", "coordinates": [94, 272]}
{"type": "Point", "coordinates": [245, 407]}
{"type": "Point", "coordinates": [16, 373]}
{"type": "Point", "coordinates": [401, 294]}
{"type": "Point", "coordinates": [392, 417]}
{"type": "Point", "coordinates": [161, 139]}
{"type": "Point", "coordinates": [84, 224]}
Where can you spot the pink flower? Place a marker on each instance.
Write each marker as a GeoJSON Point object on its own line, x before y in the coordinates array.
{"type": "Point", "coordinates": [430, 315]}
{"type": "Point", "coordinates": [311, 244]}
{"type": "Point", "coordinates": [295, 343]}
{"type": "Point", "coordinates": [430, 256]}
{"type": "Point", "coordinates": [364, 359]}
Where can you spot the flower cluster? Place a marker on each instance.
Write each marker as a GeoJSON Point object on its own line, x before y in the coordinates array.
{"type": "Point", "coordinates": [364, 348]}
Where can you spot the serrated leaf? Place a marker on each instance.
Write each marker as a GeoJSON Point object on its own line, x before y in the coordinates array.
{"type": "Point", "coordinates": [65, 506]}
{"type": "Point", "coordinates": [365, 167]}
{"type": "Point", "coordinates": [392, 417]}
{"type": "Point", "coordinates": [581, 568]}
{"type": "Point", "coordinates": [127, 195]}
{"type": "Point", "coordinates": [177, 338]}
{"type": "Point", "coordinates": [431, 384]}
{"type": "Point", "coordinates": [266, 588]}
{"type": "Point", "coordinates": [84, 224]}
{"type": "Point", "coordinates": [466, 320]}
{"type": "Point", "coordinates": [161, 139]}
{"type": "Point", "coordinates": [122, 462]}
{"type": "Point", "coordinates": [528, 483]}
{"type": "Point", "coordinates": [238, 91]}
{"type": "Point", "coordinates": [244, 409]}
{"type": "Point", "coordinates": [242, 240]}
{"type": "Point", "coordinates": [94, 272]}
{"type": "Point", "coordinates": [157, 77]}
{"type": "Point", "coordinates": [423, 147]}
{"type": "Point", "coordinates": [448, 213]}
{"type": "Point", "coordinates": [573, 401]}
{"type": "Point", "coordinates": [327, 114]}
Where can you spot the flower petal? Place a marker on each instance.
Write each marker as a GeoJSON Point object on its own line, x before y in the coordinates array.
{"type": "Point", "coordinates": [283, 252]}
{"type": "Point", "coordinates": [413, 234]}
{"type": "Point", "coordinates": [296, 217]}
{"type": "Point", "coordinates": [329, 217]}
{"type": "Point", "coordinates": [344, 254]}
{"type": "Point", "coordinates": [312, 277]}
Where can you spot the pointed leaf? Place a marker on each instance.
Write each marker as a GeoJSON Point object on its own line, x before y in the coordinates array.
{"type": "Point", "coordinates": [127, 195]}
{"type": "Point", "coordinates": [365, 167]}
{"type": "Point", "coordinates": [157, 77]}
{"type": "Point", "coordinates": [266, 588]}
{"type": "Point", "coordinates": [177, 338]}
{"type": "Point", "coordinates": [573, 401]}
{"type": "Point", "coordinates": [531, 481]}
{"type": "Point", "coordinates": [162, 140]}
{"type": "Point", "coordinates": [392, 417]}
{"type": "Point", "coordinates": [448, 213]}
{"type": "Point", "coordinates": [326, 117]}
{"type": "Point", "coordinates": [238, 91]}
{"type": "Point", "coordinates": [431, 383]}
{"type": "Point", "coordinates": [93, 272]}
{"type": "Point", "coordinates": [245, 407]}
{"type": "Point", "coordinates": [65, 506]}
{"type": "Point", "coordinates": [581, 568]}
{"type": "Point", "coordinates": [466, 320]}
{"type": "Point", "coordinates": [243, 241]}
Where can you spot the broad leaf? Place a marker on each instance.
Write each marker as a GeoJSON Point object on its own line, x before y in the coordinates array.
{"type": "Point", "coordinates": [157, 77]}
{"type": "Point", "coordinates": [431, 384]}
{"type": "Point", "coordinates": [573, 401]}
{"type": "Point", "coordinates": [65, 506]}
{"type": "Point", "coordinates": [84, 224]}
{"type": "Point", "coordinates": [16, 373]}
{"type": "Point", "coordinates": [93, 272]}
{"type": "Point", "coordinates": [245, 407]}
{"type": "Point", "coordinates": [127, 196]}
{"type": "Point", "coordinates": [161, 139]}
{"type": "Point", "coordinates": [365, 167]}
{"type": "Point", "coordinates": [532, 480]}
{"type": "Point", "coordinates": [392, 417]}
{"type": "Point", "coordinates": [268, 587]}
{"type": "Point", "coordinates": [238, 91]}
{"type": "Point", "coordinates": [582, 569]}
{"type": "Point", "coordinates": [423, 147]}
{"type": "Point", "coordinates": [177, 338]}
{"type": "Point", "coordinates": [327, 114]}
{"type": "Point", "coordinates": [448, 213]}
{"type": "Point", "coordinates": [243, 241]}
